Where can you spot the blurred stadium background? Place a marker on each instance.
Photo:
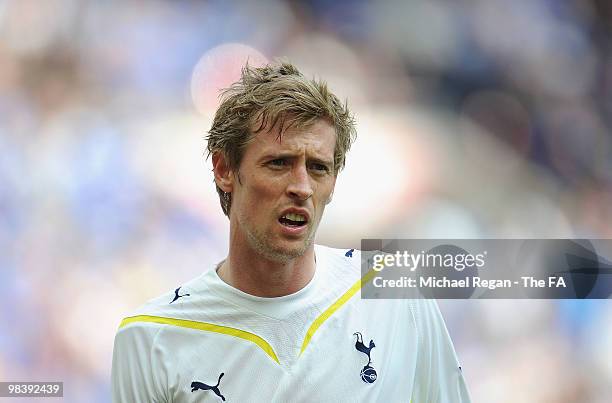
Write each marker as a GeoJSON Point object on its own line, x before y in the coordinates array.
{"type": "Point", "coordinates": [475, 118]}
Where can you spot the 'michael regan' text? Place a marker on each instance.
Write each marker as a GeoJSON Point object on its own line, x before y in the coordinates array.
{"type": "Point", "coordinates": [477, 282]}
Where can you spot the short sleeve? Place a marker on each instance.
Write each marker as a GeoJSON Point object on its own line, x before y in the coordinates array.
{"type": "Point", "coordinates": [137, 370]}
{"type": "Point", "coordinates": [438, 376]}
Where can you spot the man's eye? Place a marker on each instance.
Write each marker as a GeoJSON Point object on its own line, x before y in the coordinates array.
{"type": "Point", "coordinates": [319, 167]}
{"type": "Point", "coordinates": [279, 162]}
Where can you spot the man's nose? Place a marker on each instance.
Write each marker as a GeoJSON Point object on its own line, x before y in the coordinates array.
{"type": "Point", "coordinates": [300, 186]}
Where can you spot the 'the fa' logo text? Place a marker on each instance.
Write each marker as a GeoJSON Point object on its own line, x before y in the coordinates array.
{"type": "Point", "coordinates": [177, 296]}
{"type": "Point", "coordinates": [195, 385]}
{"type": "Point", "coordinates": [349, 253]}
{"type": "Point", "coordinates": [368, 374]}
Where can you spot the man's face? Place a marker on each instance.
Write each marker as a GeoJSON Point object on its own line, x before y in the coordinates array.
{"type": "Point", "coordinates": [284, 186]}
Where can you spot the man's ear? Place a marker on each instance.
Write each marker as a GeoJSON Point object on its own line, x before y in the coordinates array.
{"type": "Point", "coordinates": [224, 175]}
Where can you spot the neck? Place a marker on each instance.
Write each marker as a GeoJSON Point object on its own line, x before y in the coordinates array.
{"type": "Point", "coordinates": [254, 274]}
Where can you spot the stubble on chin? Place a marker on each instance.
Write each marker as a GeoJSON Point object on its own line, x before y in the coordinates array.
{"type": "Point", "coordinates": [262, 244]}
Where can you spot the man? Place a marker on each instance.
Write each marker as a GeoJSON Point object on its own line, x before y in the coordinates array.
{"type": "Point", "coordinates": [281, 319]}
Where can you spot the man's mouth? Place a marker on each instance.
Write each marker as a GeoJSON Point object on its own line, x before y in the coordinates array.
{"type": "Point", "coordinates": [293, 220]}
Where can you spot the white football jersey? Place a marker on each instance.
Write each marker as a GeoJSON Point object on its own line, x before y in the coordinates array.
{"type": "Point", "coordinates": [209, 342]}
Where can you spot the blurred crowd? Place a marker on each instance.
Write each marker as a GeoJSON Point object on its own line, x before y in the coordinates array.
{"type": "Point", "coordinates": [476, 119]}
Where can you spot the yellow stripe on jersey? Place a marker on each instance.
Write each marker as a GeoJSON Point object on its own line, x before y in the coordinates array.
{"type": "Point", "coordinates": [334, 307]}
{"type": "Point", "coordinates": [207, 327]}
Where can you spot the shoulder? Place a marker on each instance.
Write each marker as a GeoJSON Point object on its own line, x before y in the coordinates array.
{"type": "Point", "coordinates": [354, 264]}
{"type": "Point", "coordinates": [344, 262]}
{"type": "Point", "coordinates": [338, 270]}
{"type": "Point", "coordinates": [180, 301]}
{"type": "Point", "coordinates": [343, 257]}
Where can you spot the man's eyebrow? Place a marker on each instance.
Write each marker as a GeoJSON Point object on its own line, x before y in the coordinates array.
{"type": "Point", "coordinates": [321, 161]}
{"type": "Point", "coordinates": [277, 155]}
{"type": "Point", "coordinates": [284, 154]}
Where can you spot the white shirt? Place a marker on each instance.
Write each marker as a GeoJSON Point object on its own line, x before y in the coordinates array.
{"type": "Point", "coordinates": [322, 344]}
